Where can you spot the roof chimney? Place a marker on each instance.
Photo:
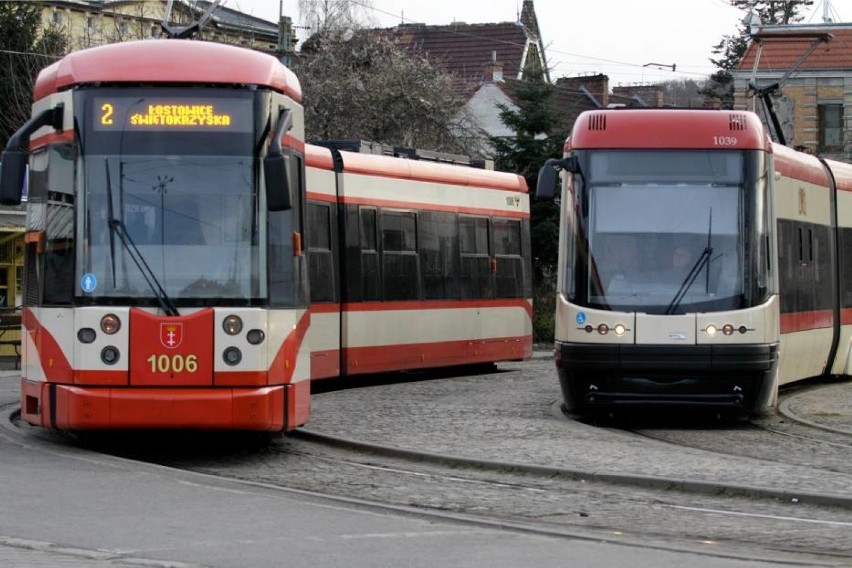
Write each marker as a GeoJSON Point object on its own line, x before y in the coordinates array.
{"type": "Point", "coordinates": [494, 70]}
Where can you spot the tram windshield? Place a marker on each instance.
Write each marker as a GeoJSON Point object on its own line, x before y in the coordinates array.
{"type": "Point", "coordinates": [170, 196]}
{"type": "Point", "coordinates": [666, 231]}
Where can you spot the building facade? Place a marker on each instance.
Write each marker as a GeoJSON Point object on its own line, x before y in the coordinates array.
{"type": "Point", "coordinates": [813, 103]}
{"type": "Point", "coordinates": [89, 23]}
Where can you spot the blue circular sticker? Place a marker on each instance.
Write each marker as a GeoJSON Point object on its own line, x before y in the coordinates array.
{"type": "Point", "coordinates": [89, 282]}
{"type": "Point", "coordinates": [581, 318]}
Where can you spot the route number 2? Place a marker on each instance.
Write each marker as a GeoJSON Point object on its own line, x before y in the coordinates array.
{"type": "Point", "coordinates": [173, 364]}
{"type": "Point", "coordinates": [106, 117]}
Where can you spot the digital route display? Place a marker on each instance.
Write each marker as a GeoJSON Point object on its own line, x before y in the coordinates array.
{"type": "Point", "coordinates": [172, 114]}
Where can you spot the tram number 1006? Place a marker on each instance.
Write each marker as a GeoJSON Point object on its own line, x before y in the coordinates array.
{"type": "Point", "coordinates": [173, 363]}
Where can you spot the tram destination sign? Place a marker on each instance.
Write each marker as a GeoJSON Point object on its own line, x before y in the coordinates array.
{"type": "Point", "coordinates": [172, 114]}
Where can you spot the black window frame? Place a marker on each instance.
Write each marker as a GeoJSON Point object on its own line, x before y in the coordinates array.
{"type": "Point", "coordinates": [400, 267]}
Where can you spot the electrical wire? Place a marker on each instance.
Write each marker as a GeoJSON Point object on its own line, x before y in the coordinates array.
{"type": "Point", "coordinates": [599, 60]}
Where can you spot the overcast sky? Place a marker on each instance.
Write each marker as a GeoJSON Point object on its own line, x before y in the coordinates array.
{"type": "Point", "coordinates": [616, 37]}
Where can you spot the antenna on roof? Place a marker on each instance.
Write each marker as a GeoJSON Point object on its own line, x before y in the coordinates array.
{"type": "Point", "coordinates": [183, 32]}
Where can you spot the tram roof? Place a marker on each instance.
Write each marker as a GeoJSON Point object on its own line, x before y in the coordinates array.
{"type": "Point", "coordinates": [668, 128]}
{"type": "Point", "coordinates": [168, 61]}
{"type": "Point", "coordinates": [402, 168]}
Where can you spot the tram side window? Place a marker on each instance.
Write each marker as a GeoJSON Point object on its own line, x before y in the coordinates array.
{"type": "Point", "coordinates": [58, 255]}
{"type": "Point", "coordinates": [438, 240]}
{"type": "Point", "coordinates": [400, 271]}
{"type": "Point", "coordinates": [320, 260]}
{"type": "Point", "coordinates": [369, 256]}
{"type": "Point", "coordinates": [476, 280]}
{"type": "Point", "coordinates": [845, 258]}
{"type": "Point", "coordinates": [507, 252]}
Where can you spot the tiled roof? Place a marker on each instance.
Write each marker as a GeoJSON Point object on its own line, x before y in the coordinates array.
{"type": "Point", "coordinates": [466, 49]}
{"type": "Point", "coordinates": [567, 102]}
{"type": "Point", "coordinates": [784, 45]}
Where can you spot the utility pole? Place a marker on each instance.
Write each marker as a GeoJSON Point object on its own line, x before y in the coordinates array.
{"type": "Point", "coordinates": [286, 38]}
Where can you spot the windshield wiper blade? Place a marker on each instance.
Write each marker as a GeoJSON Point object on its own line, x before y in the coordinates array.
{"type": "Point", "coordinates": [690, 278]}
{"type": "Point", "coordinates": [111, 216]}
{"type": "Point", "coordinates": [116, 227]}
{"type": "Point", "coordinates": [702, 260]}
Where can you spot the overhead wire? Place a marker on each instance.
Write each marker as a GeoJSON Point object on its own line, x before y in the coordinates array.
{"type": "Point", "coordinates": [605, 61]}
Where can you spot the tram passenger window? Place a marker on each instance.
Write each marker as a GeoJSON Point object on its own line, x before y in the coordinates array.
{"type": "Point", "coordinates": [507, 251]}
{"type": "Point", "coordinates": [845, 257]}
{"type": "Point", "coordinates": [400, 273]}
{"type": "Point", "coordinates": [370, 276]}
{"type": "Point", "coordinates": [438, 242]}
{"type": "Point", "coordinates": [282, 262]}
{"type": "Point", "coordinates": [476, 278]}
{"type": "Point", "coordinates": [320, 262]}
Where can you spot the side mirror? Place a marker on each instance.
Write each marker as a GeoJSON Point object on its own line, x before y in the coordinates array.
{"type": "Point", "coordinates": [276, 174]}
{"type": "Point", "coordinates": [12, 179]}
{"type": "Point", "coordinates": [276, 168]}
{"type": "Point", "coordinates": [15, 157]}
{"type": "Point", "coordinates": [547, 186]}
{"type": "Point", "coordinates": [548, 180]}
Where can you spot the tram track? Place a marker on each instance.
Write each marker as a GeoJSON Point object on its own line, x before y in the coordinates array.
{"type": "Point", "coordinates": [574, 502]}
{"type": "Point", "coordinates": [782, 437]}
{"type": "Point", "coordinates": [510, 498]}
{"type": "Point", "coordinates": [541, 524]}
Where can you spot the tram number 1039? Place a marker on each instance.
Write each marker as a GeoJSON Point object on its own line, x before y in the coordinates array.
{"type": "Point", "coordinates": [173, 363]}
{"type": "Point", "coordinates": [724, 140]}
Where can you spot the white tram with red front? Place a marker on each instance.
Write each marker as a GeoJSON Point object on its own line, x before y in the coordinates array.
{"type": "Point", "coordinates": [700, 264]}
{"type": "Point", "coordinates": [192, 263]}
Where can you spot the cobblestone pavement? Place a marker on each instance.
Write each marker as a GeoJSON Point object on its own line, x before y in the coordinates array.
{"type": "Point", "coordinates": [509, 416]}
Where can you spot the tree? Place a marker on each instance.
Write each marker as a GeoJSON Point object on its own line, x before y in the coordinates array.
{"type": "Point", "coordinates": [25, 48]}
{"type": "Point", "coordinates": [683, 93]}
{"type": "Point", "coordinates": [334, 16]}
{"type": "Point", "coordinates": [537, 137]}
{"type": "Point", "coordinates": [731, 48]}
{"type": "Point", "coordinates": [368, 87]}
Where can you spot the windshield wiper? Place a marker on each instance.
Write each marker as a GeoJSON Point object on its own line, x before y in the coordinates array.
{"type": "Point", "coordinates": [700, 263]}
{"type": "Point", "coordinates": [116, 227]}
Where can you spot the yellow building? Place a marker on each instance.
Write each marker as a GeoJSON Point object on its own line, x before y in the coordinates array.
{"type": "Point", "coordinates": [88, 23]}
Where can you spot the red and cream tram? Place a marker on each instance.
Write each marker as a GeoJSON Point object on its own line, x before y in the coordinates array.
{"type": "Point", "coordinates": [700, 264]}
{"type": "Point", "coordinates": [192, 263]}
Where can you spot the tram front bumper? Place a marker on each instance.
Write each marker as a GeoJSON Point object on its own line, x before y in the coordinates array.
{"type": "Point", "coordinates": [738, 377]}
{"type": "Point", "coordinates": [69, 407]}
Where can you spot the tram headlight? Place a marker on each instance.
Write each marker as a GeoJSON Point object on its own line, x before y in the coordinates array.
{"type": "Point", "coordinates": [711, 330]}
{"type": "Point", "coordinates": [619, 329]}
{"type": "Point", "coordinates": [603, 328]}
{"type": "Point", "coordinates": [232, 356]}
{"type": "Point", "coordinates": [232, 325]}
{"type": "Point", "coordinates": [110, 355]}
{"type": "Point", "coordinates": [255, 336]}
{"type": "Point", "coordinates": [728, 329]}
{"type": "Point", "coordinates": [110, 324]}
{"type": "Point", "coordinates": [86, 335]}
